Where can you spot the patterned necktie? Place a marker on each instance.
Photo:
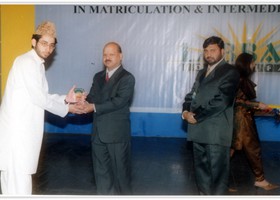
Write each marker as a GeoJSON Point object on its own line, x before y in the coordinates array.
{"type": "Point", "coordinates": [107, 77]}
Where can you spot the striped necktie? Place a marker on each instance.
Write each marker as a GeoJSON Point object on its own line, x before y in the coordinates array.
{"type": "Point", "coordinates": [107, 77]}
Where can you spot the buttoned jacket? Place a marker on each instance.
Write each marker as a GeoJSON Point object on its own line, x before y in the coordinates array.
{"type": "Point", "coordinates": [112, 99]}
{"type": "Point", "coordinates": [211, 100]}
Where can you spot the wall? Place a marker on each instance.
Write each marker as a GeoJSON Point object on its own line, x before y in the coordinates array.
{"type": "Point", "coordinates": [17, 26]}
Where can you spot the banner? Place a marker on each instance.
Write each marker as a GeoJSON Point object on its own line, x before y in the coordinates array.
{"type": "Point", "coordinates": [162, 46]}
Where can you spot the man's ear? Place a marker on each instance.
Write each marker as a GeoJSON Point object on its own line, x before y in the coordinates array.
{"type": "Point", "coordinates": [223, 52]}
{"type": "Point", "coordinates": [33, 43]}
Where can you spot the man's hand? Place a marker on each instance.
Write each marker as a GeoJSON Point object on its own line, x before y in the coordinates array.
{"type": "Point", "coordinates": [71, 96]}
{"type": "Point", "coordinates": [189, 117]}
{"type": "Point", "coordinates": [81, 108]}
{"type": "Point", "coordinates": [88, 107]}
{"type": "Point", "coordinates": [76, 109]}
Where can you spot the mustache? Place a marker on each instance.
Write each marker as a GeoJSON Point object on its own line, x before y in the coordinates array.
{"type": "Point", "coordinates": [108, 60]}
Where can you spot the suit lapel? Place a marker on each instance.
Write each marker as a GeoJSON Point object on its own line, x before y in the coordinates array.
{"type": "Point", "coordinates": [101, 79]}
{"type": "Point", "coordinates": [202, 75]}
{"type": "Point", "coordinates": [212, 74]}
{"type": "Point", "coordinates": [113, 79]}
{"type": "Point", "coordinates": [115, 76]}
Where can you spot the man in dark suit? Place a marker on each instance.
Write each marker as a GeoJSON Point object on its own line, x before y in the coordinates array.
{"type": "Point", "coordinates": [109, 98]}
{"type": "Point", "coordinates": [208, 109]}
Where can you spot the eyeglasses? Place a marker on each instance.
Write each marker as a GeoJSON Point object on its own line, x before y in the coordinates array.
{"type": "Point", "coordinates": [45, 44]}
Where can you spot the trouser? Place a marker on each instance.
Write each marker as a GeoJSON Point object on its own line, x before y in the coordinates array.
{"type": "Point", "coordinates": [14, 182]}
{"type": "Point", "coordinates": [248, 140]}
{"type": "Point", "coordinates": [112, 167]}
{"type": "Point", "coordinates": [211, 166]}
{"type": "Point", "coordinates": [252, 149]}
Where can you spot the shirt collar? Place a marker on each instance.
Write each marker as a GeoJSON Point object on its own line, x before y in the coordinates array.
{"type": "Point", "coordinates": [110, 73]}
{"type": "Point", "coordinates": [215, 65]}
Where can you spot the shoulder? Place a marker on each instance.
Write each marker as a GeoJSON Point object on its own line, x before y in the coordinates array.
{"type": "Point", "coordinates": [26, 57]}
{"type": "Point", "coordinates": [25, 61]}
{"type": "Point", "coordinates": [225, 65]}
{"type": "Point", "coordinates": [125, 77]}
{"type": "Point", "coordinates": [124, 73]}
{"type": "Point", "coordinates": [228, 68]}
{"type": "Point", "coordinates": [100, 74]}
{"type": "Point", "coordinates": [128, 75]}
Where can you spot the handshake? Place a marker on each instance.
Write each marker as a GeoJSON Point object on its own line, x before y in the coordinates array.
{"type": "Point", "coordinates": [76, 98]}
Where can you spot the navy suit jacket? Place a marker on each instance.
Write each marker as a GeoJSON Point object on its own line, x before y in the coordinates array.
{"type": "Point", "coordinates": [112, 100]}
{"type": "Point", "coordinates": [212, 99]}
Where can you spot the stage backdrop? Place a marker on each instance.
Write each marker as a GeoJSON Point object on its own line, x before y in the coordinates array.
{"type": "Point", "coordinates": [162, 47]}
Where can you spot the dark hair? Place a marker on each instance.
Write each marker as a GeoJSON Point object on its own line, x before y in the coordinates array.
{"type": "Point", "coordinates": [242, 63]}
{"type": "Point", "coordinates": [38, 37]}
{"type": "Point", "coordinates": [214, 40]}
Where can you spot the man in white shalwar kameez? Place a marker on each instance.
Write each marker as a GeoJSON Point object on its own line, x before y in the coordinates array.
{"type": "Point", "coordinates": [25, 99]}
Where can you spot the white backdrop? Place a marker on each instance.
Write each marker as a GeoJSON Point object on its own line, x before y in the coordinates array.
{"type": "Point", "coordinates": [162, 46]}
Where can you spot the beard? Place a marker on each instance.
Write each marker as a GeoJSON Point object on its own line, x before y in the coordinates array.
{"type": "Point", "coordinates": [42, 54]}
{"type": "Point", "coordinates": [211, 60]}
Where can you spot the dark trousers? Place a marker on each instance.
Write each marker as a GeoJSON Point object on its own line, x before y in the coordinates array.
{"type": "Point", "coordinates": [211, 166]}
{"type": "Point", "coordinates": [112, 167]}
